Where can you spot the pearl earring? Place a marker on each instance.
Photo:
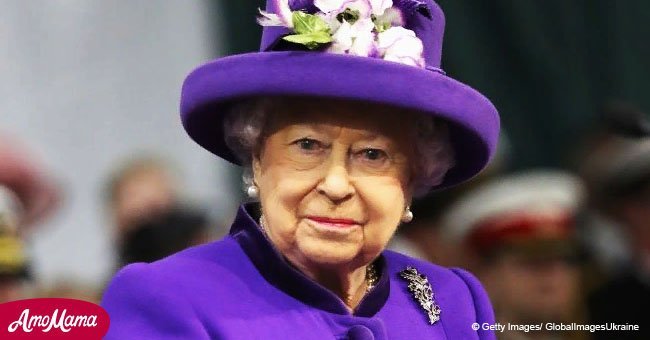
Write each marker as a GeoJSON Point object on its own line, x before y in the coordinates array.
{"type": "Point", "coordinates": [408, 215]}
{"type": "Point", "coordinates": [253, 191]}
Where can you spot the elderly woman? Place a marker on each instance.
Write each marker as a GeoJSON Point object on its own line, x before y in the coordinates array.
{"type": "Point", "coordinates": [340, 121]}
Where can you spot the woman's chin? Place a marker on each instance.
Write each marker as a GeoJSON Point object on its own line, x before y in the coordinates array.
{"type": "Point", "coordinates": [329, 253]}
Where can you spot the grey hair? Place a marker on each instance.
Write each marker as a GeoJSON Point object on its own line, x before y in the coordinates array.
{"type": "Point", "coordinates": [246, 119]}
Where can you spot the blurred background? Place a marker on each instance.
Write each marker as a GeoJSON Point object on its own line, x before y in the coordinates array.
{"type": "Point", "coordinates": [99, 171]}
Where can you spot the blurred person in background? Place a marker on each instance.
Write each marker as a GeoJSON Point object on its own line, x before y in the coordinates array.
{"type": "Point", "coordinates": [150, 219]}
{"type": "Point", "coordinates": [15, 276]}
{"type": "Point", "coordinates": [617, 169]}
{"type": "Point", "coordinates": [518, 234]}
{"type": "Point", "coordinates": [163, 234]}
{"type": "Point", "coordinates": [142, 187]}
{"type": "Point", "coordinates": [28, 196]}
{"type": "Point", "coordinates": [596, 159]}
{"type": "Point", "coordinates": [29, 190]}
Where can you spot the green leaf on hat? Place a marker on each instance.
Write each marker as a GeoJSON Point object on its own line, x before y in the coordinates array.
{"type": "Point", "coordinates": [311, 40]}
{"type": "Point", "coordinates": [304, 23]}
{"type": "Point", "coordinates": [311, 30]}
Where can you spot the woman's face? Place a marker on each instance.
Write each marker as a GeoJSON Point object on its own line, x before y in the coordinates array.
{"type": "Point", "coordinates": [334, 180]}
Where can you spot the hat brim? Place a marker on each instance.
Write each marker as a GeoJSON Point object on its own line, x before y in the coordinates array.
{"type": "Point", "coordinates": [210, 89]}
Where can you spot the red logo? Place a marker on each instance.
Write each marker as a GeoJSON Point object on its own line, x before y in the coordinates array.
{"type": "Point", "coordinates": [52, 318]}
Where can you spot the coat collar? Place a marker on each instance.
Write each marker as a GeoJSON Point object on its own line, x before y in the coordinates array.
{"type": "Point", "coordinates": [277, 271]}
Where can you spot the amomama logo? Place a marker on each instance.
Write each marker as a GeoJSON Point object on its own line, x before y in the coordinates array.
{"type": "Point", "coordinates": [63, 322]}
{"type": "Point", "coordinates": [52, 318]}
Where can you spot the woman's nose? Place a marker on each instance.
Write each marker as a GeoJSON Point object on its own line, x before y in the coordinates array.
{"type": "Point", "coordinates": [336, 184]}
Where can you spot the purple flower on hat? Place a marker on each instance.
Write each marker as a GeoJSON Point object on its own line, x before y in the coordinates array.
{"type": "Point", "coordinates": [401, 45]}
{"type": "Point", "coordinates": [365, 28]}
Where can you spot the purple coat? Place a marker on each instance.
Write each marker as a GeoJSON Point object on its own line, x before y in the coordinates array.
{"type": "Point", "coordinates": [241, 288]}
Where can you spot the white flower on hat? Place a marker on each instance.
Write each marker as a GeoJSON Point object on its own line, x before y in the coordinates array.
{"type": "Point", "coordinates": [380, 6]}
{"type": "Point", "coordinates": [391, 17]}
{"type": "Point", "coordinates": [338, 6]}
{"type": "Point", "coordinates": [400, 45]}
{"type": "Point", "coordinates": [284, 17]}
{"type": "Point", "coordinates": [363, 7]}
{"type": "Point", "coordinates": [327, 6]}
{"type": "Point", "coordinates": [355, 39]}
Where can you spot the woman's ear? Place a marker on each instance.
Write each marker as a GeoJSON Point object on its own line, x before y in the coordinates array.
{"type": "Point", "coordinates": [256, 161]}
{"type": "Point", "coordinates": [256, 167]}
{"type": "Point", "coordinates": [408, 194]}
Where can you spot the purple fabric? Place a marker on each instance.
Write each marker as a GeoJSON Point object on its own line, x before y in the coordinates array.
{"type": "Point", "coordinates": [304, 5]}
{"type": "Point", "coordinates": [209, 90]}
{"type": "Point", "coordinates": [216, 291]}
{"type": "Point", "coordinates": [410, 6]}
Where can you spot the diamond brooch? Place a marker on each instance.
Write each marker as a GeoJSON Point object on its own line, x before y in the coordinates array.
{"type": "Point", "coordinates": [420, 288]}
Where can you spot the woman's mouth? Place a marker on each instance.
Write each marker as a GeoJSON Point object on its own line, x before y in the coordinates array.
{"type": "Point", "coordinates": [333, 222]}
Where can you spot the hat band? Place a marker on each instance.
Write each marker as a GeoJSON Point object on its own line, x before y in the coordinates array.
{"type": "Point", "coordinates": [436, 69]}
{"type": "Point", "coordinates": [521, 226]}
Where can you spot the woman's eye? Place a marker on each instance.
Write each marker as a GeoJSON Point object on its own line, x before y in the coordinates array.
{"type": "Point", "coordinates": [375, 156]}
{"type": "Point", "coordinates": [308, 144]}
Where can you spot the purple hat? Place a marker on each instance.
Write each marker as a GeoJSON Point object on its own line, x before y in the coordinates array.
{"type": "Point", "coordinates": [294, 61]}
